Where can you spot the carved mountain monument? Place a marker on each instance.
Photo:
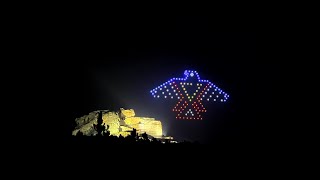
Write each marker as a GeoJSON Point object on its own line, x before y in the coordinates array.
{"type": "Point", "coordinates": [122, 122]}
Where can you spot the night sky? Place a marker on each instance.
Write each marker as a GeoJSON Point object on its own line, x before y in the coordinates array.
{"type": "Point", "coordinates": [116, 65]}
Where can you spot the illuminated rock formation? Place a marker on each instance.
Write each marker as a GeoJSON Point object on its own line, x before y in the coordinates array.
{"type": "Point", "coordinates": [121, 122]}
{"type": "Point", "coordinates": [126, 113]}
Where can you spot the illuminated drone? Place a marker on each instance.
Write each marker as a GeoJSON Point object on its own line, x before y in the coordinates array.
{"type": "Point", "coordinates": [190, 92]}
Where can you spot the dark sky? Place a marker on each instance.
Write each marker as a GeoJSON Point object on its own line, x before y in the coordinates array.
{"type": "Point", "coordinates": [117, 64]}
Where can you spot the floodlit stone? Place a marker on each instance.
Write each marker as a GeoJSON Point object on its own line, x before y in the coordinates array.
{"type": "Point", "coordinates": [126, 113]}
{"type": "Point", "coordinates": [132, 120]}
{"type": "Point", "coordinates": [121, 122]}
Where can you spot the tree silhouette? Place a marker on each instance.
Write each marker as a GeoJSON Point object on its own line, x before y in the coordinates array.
{"type": "Point", "coordinates": [155, 141]}
{"type": "Point", "coordinates": [133, 137]}
{"type": "Point", "coordinates": [134, 134]}
{"type": "Point", "coordinates": [79, 133]}
{"type": "Point", "coordinates": [145, 136]}
{"type": "Point", "coordinates": [99, 127]}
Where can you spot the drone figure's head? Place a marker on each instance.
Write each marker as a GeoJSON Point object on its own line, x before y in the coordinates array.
{"type": "Point", "coordinates": [191, 75]}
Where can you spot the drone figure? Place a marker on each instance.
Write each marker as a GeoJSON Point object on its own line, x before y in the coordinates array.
{"type": "Point", "coordinates": [190, 92]}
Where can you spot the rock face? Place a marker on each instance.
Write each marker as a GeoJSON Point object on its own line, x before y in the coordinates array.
{"type": "Point", "coordinates": [127, 113]}
{"type": "Point", "coordinates": [121, 122]}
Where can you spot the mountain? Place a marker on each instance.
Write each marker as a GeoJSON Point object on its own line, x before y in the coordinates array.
{"type": "Point", "coordinates": [121, 122]}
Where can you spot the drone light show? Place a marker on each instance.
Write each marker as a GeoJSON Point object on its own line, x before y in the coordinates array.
{"type": "Point", "coordinates": [190, 92]}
